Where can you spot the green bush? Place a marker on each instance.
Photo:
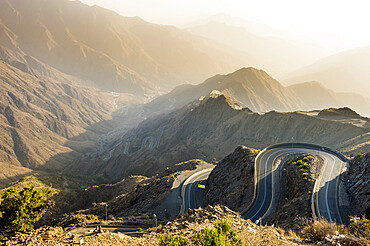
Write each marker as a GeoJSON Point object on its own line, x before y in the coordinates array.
{"type": "Point", "coordinates": [169, 240]}
{"type": "Point", "coordinates": [221, 235]}
{"type": "Point", "coordinates": [90, 217]}
{"type": "Point", "coordinates": [20, 209]}
{"type": "Point", "coordinates": [301, 163]}
{"type": "Point", "coordinates": [306, 165]}
{"type": "Point", "coordinates": [139, 229]}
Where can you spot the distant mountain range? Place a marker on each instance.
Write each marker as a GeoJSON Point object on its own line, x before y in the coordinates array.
{"type": "Point", "coordinates": [316, 96]}
{"type": "Point", "coordinates": [258, 91]}
{"type": "Point", "coordinates": [348, 71]}
{"type": "Point", "coordinates": [103, 49]}
{"type": "Point", "coordinates": [273, 53]}
{"type": "Point", "coordinates": [78, 44]}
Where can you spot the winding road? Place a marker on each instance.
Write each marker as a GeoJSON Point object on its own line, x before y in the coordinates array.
{"type": "Point", "coordinates": [325, 196]}
{"type": "Point", "coordinates": [192, 196]}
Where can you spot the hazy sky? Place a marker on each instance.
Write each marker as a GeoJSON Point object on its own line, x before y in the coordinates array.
{"type": "Point", "coordinates": [344, 24]}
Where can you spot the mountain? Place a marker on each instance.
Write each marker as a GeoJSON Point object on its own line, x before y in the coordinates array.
{"type": "Point", "coordinates": [249, 87]}
{"type": "Point", "coordinates": [316, 96]}
{"type": "Point", "coordinates": [33, 66]}
{"type": "Point", "coordinates": [210, 129]}
{"type": "Point", "coordinates": [109, 51]}
{"type": "Point", "coordinates": [273, 53]}
{"type": "Point", "coordinates": [258, 91]}
{"type": "Point", "coordinates": [46, 124]}
{"type": "Point", "coordinates": [347, 71]}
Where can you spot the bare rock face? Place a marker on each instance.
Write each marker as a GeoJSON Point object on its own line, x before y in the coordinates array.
{"type": "Point", "coordinates": [359, 185]}
{"type": "Point", "coordinates": [231, 183]}
{"type": "Point", "coordinates": [39, 117]}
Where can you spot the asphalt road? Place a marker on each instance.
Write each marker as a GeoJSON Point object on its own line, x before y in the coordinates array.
{"type": "Point", "coordinates": [325, 201]}
{"type": "Point", "coordinates": [192, 196]}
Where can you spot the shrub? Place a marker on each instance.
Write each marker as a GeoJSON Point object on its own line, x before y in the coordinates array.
{"type": "Point", "coordinates": [111, 217]}
{"type": "Point", "coordinates": [169, 240]}
{"type": "Point", "coordinates": [139, 229]}
{"type": "Point", "coordinates": [221, 235]}
{"type": "Point", "coordinates": [318, 230]}
{"type": "Point", "coordinates": [20, 209]}
{"type": "Point", "coordinates": [359, 227]}
{"type": "Point", "coordinates": [306, 165]}
{"type": "Point", "coordinates": [301, 163]}
{"type": "Point", "coordinates": [91, 217]}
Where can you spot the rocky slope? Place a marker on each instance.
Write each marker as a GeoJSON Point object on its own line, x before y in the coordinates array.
{"type": "Point", "coordinates": [231, 183]}
{"type": "Point", "coordinates": [136, 195]}
{"type": "Point", "coordinates": [186, 226]}
{"type": "Point", "coordinates": [212, 128]}
{"type": "Point", "coordinates": [46, 124]}
{"type": "Point", "coordinates": [359, 185]}
{"type": "Point", "coordinates": [28, 64]}
{"type": "Point", "coordinates": [109, 51]}
{"type": "Point", "coordinates": [145, 196]}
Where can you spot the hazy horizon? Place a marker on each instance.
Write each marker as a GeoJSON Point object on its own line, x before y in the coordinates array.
{"type": "Point", "coordinates": [305, 21]}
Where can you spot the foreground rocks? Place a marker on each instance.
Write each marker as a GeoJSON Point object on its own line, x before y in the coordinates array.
{"type": "Point", "coordinates": [186, 225]}
{"type": "Point", "coordinates": [56, 236]}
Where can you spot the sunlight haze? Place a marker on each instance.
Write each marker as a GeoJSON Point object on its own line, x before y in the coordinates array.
{"type": "Point", "coordinates": [337, 24]}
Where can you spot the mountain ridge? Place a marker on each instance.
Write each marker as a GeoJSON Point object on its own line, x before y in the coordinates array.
{"type": "Point", "coordinates": [47, 124]}
{"type": "Point", "coordinates": [110, 51]}
{"type": "Point", "coordinates": [255, 89]}
{"type": "Point", "coordinates": [210, 128]}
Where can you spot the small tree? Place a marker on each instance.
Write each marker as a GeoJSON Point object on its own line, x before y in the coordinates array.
{"type": "Point", "coordinates": [20, 209]}
{"type": "Point", "coordinates": [221, 235]}
{"type": "Point", "coordinates": [169, 240]}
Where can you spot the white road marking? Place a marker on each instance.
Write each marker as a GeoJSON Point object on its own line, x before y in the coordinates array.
{"type": "Point", "coordinates": [327, 189]}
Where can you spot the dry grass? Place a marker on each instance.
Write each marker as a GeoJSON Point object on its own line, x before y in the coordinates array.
{"type": "Point", "coordinates": [319, 230]}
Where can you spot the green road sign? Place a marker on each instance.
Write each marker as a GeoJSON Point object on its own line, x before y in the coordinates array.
{"type": "Point", "coordinates": [201, 186]}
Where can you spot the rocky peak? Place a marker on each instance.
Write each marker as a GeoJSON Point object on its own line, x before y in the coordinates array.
{"type": "Point", "coordinates": [231, 182]}
{"type": "Point", "coordinates": [346, 112]}
{"type": "Point", "coordinates": [221, 101]}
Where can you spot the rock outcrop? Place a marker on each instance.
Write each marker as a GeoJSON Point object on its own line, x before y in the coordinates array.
{"type": "Point", "coordinates": [346, 112]}
{"type": "Point", "coordinates": [231, 183]}
{"type": "Point", "coordinates": [359, 185]}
